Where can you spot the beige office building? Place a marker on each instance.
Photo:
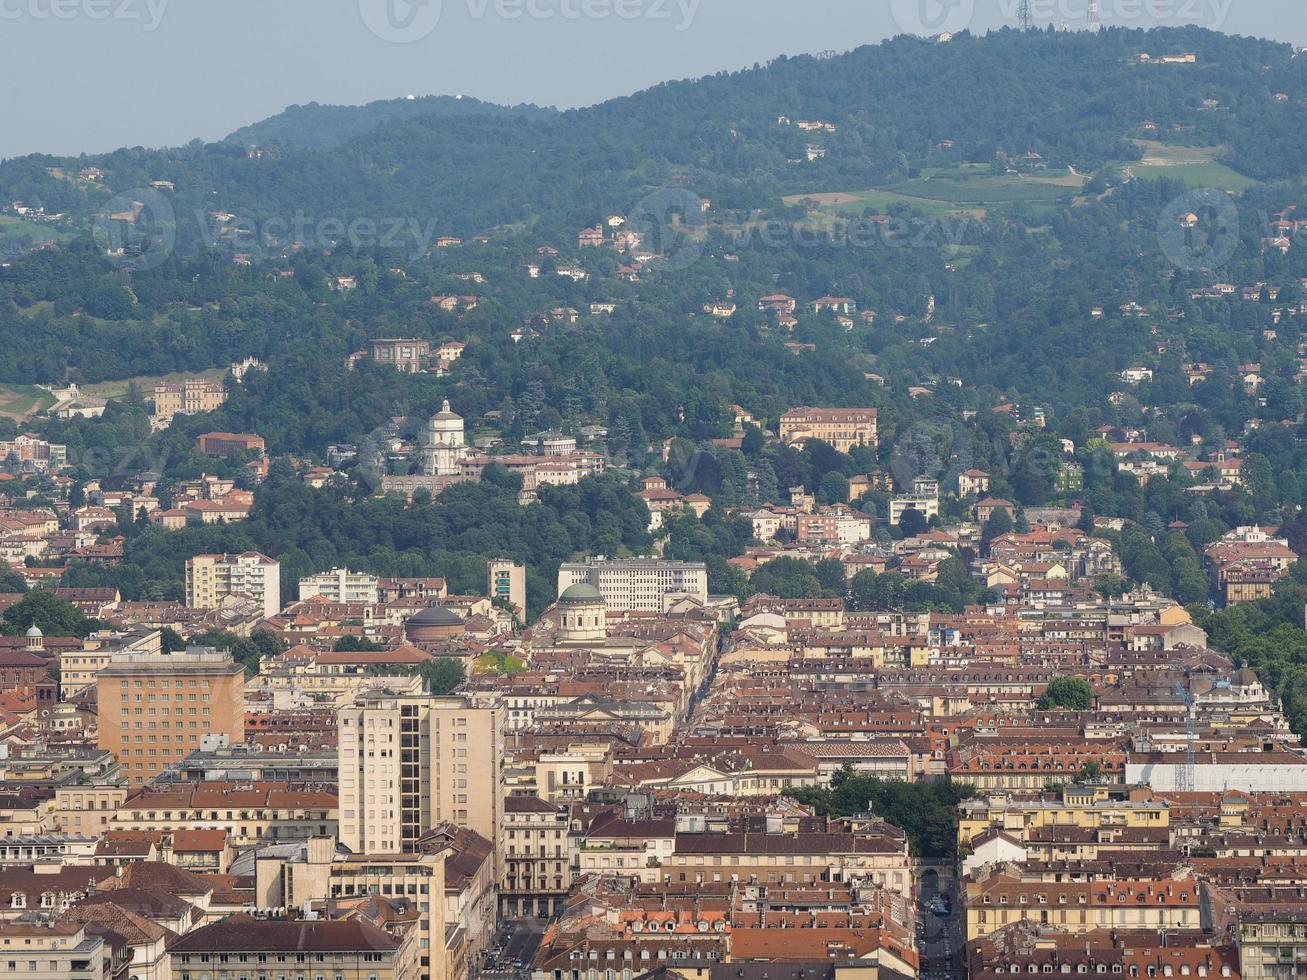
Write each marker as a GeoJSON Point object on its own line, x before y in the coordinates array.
{"type": "Point", "coordinates": [155, 708]}
{"type": "Point", "coordinates": [409, 762]}
{"type": "Point", "coordinates": [211, 578]}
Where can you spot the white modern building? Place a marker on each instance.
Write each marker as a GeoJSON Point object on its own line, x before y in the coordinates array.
{"type": "Point", "coordinates": [212, 578]}
{"type": "Point", "coordinates": [341, 585]}
{"type": "Point", "coordinates": [644, 584]}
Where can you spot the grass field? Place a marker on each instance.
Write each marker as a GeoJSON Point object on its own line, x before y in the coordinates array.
{"type": "Point", "coordinates": [146, 382]}
{"type": "Point", "coordinates": [969, 189]}
{"type": "Point", "coordinates": [1197, 166]}
{"type": "Point", "coordinates": [19, 401]}
{"type": "Point", "coordinates": [15, 233]}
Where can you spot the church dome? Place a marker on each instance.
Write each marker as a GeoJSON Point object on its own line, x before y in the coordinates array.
{"type": "Point", "coordinates": [581, 592]}
{"type": "Point", "coordinates": [435, 616]}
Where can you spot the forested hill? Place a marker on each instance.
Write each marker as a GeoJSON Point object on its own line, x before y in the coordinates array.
{"type": "Point", "coordinates": [1075, 99]}
{"type": "Point", "coordinates": [326, 127]}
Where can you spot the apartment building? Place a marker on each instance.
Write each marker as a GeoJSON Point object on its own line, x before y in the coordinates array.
{"type": "Point", "coordinates": [54, 951]}
{"type": "Point", "coordinates": [87, 809]}
{"type": "Point", "coordinates": [252, 813]}
{"type": "Point", "coordinates": [842, 428]}
{"type": "Point", "coordinates": [155, 708]}
{"type": "Point", "coordinates": [640, 584]}
{"type": "Point", "coordinates": [346, 949]}
{"type": "Point", "coordinates": [1272, 942]}
{"type": "Point", "coordinates": [1082, 906]}
{"type": "Point", "coordinates": [507, 580]}
{"type": "Point", "coordinates": [78, 667]}
{"type": "Point", "coordinates": [341, 585]}
{"type": "Point", "coordinates": [212, 578]}
{"type": "Point", "coordinates": [537, 857]}
{"type": "Point", "coordinates": [317, 872]}
{"type": "Point", "coordinates": [876, 853]}
{"type": "Point", "coordinates": [409, 762]}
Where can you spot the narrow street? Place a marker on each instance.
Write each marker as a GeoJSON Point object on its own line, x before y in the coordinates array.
{"type": "Point", "coordinates": [939, 936]}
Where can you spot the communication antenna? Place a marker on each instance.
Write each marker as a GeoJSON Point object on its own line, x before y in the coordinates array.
{"type": "Point", "coordinates": [1025, 17]}
{"type": "Point", "coordinates": [1092, 16]}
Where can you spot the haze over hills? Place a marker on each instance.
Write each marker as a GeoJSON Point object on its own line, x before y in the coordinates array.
{"type": "Point", "coordinates": [1075, 99]}
{"type": "Point", "coordinates": [1006, 246]}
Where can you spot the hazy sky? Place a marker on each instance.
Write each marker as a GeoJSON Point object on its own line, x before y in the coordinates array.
{"type": "Point", "coordinates": [92, 75]}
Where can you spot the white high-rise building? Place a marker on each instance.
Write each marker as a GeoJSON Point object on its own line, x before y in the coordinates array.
{"type": "Point", "coordinates": [211, 578]}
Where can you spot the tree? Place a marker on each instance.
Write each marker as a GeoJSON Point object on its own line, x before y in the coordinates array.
{"type": "Point", "coordinates": [788, 578]}
{"type": "Point", "coordinates": [913, 523]}
{"type": "Point", "coordinates": [357, 644]}
{"type": "Point", "coordinates": [834, 489]}
{"type": "Point", "coordinates": [267, 643]}
{"type": "Point", "coordinates": [999, 524]}
{"type": "Point", "coordinates": [1090, 772]}
{"type": "Point", "coordinates": [1110, 585]}
{"type": "Point", "coordinates": [830, 573]}
{"type": "Point", "coordinates": [442, 675]}
{"type": "Point", "coordinates": [170, 641]}
{"type": "Point", "coordinates": [11, 581]}
{"type": "Point", "coordinates": [52, 615]}
{"type": "Point", "coordinates": [1067, 692]}
{"type": "Point", "coordinates": [242, 650]}
{"type": "Point", "coordinates": [927, 812]}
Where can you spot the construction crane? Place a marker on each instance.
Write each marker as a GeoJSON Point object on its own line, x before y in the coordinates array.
{"type": "Point", "coordinates": [1185, 784]}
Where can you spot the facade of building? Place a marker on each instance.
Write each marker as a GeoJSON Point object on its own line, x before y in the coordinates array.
{"type": "Point", "coordinates": [536, 859]}
{"type": "Point", "coordinates": [507, 581]}
{"type": "Point", "coordinates": [211, 578]}
{"type": "Point", "coordinates": [57, 951]}
{"type": "Point", "coordinates": [155, 708]}
{"type": "Point", "coordinates": [188, 398]}
{"type": "Point", "coordinates": [341, 585]}
{"type": "Point", "coordinates": [443, 447]}
{"type": "Point", "coordinates": [409, 762]}
{"type": "Point", "coordinates": [409, 356]}
{"type": "Point", "coordinates": [262, 949]}
{"type": "Point", "coordinates": [642, 584]}
{"type": "Point", "coordinates": [226, 443]}
{"type": "Point", "coordinates": [842, 428]}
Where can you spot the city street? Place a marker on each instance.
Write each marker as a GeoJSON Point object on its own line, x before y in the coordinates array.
{"type": "Point", "coordinates": [515, 947]}
{"type": "Point", "coordinates": [939, 937]}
